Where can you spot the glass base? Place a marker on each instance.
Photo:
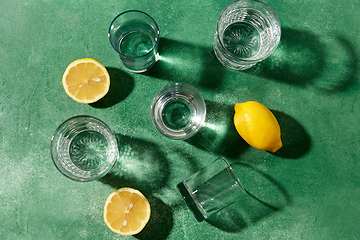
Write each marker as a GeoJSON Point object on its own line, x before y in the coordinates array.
{"type": "Point", "coordinates": [135, 67]}
{"type": "Point", "coordinates": [230, 62]}
{"type": "Point", "coordinates": [190, 201]}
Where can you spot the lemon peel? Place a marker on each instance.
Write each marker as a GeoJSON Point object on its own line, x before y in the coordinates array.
{"type": "Point", "coordinates": [258, 126]}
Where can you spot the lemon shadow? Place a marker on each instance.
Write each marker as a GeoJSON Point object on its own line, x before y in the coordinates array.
{"type": "Point", "coordinates": [296, 141]}
{"type": "Point", "coordinates": [121, 85]}
{"type": "Point", "coordinates": [160, 223]}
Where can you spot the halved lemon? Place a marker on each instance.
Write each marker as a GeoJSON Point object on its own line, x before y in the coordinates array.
{"type": "Point", "coordinates": [86, 80]}
{"type": "Point", "coordinates": [126, 211]}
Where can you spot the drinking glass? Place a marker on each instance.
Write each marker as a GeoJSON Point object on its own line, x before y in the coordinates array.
{"type": "Point", "coordinates": [84, 148]}
{"type": "Point", "coordinates": [247, 32]}
{"type": "Point", "coordinates": [135, 36]}
{"type": "Point", "coordinates": [178, 111]}
{"type": "Point", "coordinates": [211, 189]}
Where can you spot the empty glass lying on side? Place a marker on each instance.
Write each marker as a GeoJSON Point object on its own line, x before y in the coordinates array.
{"type": "Point", "coordinates": [135, 36]}
{"type": "Point", "coordinates": [211, 189]}
{"type": "Point", "coordinates": [247, 32]}
{"type": "Point", "coordinates": [84, 148]}
{"type": "Point", "coordinates": [178, 111]}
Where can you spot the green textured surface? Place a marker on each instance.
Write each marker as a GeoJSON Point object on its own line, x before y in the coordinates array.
{"type": "Point", "coordinates": [310, 82]}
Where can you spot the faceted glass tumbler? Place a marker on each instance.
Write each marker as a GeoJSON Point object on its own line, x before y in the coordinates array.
{"type": "Point", "coordinates": [84, 148]}
{"type": "Point", "coordinates": [247, 32]}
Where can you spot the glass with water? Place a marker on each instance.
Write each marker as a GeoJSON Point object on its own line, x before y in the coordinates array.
{"type": "Point", "coordinates": [135, 36]}
{"type": "Point", "coordinates": [178, 111]}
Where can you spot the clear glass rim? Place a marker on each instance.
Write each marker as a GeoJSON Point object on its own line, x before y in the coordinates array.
{"type": "Point", "coordinates": [54, 152]}
{"type": "Point", "coordinates": [233, 175]}
{"type": "Point", "coordinates": [190, 130]}
{"type": "Point", "coordinates": [156, 30]}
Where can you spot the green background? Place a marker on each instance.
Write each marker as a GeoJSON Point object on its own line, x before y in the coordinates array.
{"type": "Point", "coordinates": [310, 83]}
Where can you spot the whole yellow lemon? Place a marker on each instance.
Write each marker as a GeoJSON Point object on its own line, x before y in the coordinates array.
{"type": "Point", "coordinates": [258, 126]}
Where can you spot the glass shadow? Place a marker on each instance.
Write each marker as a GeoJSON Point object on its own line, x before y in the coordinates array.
{"type": "Point", "coordinates": [219, 135]}
{"type": "Point", "coordinates": [341, 64]}
{"type": "Point", "coordinates": [265, 197]}
{"type": "Point", "coordinates": [298, 59]}
{"type": "Point", "coordinates": [188, 63]}
{"type": "Point", "coordinates": [141, 165]}
{"type": "Point", "coordinates": [329, 61]}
